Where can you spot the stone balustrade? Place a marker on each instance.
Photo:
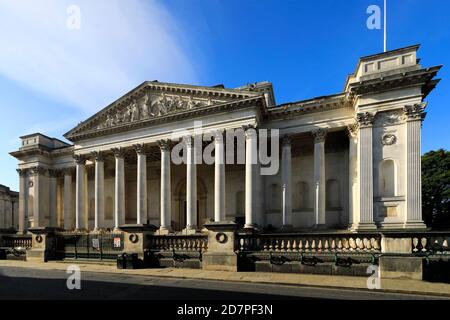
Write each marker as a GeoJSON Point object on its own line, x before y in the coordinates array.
{"type": "Point", "coordinates": [179, 243]}
{"type": "Point", "coordinates": [311, 243]}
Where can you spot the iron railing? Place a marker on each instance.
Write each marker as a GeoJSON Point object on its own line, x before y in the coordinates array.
{"type": "Point", "coordinates": [101, 246]}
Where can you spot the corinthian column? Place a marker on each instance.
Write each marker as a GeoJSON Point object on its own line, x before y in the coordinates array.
{"type": "Point", "coordinates": [99, 193]}
{"type": "Point", "coordinates": [219, 177]}
{"type": "Point", "coordinates": [414, 116]}
{"type": "Point", "coordinates": [319, 177]}
{"type": "Point", "coordinates": [80, 208]}
{"type": "Point", "coordinates": [119, 191]}
{"type": "Point", "coordinates": [165, 187]}
{"type": "Point", "coordinates": [141, 184]}
{"type": "Point", "coordinates": [365, 168]}
{"type": "Point", "coordinates": [68, 218]}
{"type": "Point", "coordinates": [191, 186]}
{"type": "Point", "coordinates": [52, 197]}
{"type": "Point", "coordinates": [251, 172]}
{"type": "Point", "coordinates": [352, 131]}
{"type": "Point", "coordinates": [286, 174]}
{"type": "Point", "coordinates": [23, 196]}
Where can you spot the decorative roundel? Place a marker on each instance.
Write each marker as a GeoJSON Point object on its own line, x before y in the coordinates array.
{"type": "Point", "coordinates": [133, 238]}
{"type": "Point", "coordinates": [30, 184]}
{"type": "Point", "coordinates": [221, 237]}
{"type": "Point", "coordinates": [389, 139]}
{"type": "Point", "coordinates": [38, 238]}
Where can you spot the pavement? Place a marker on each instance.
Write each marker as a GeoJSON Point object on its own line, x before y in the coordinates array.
{"type": "Point", "coordinates": [400, 286]}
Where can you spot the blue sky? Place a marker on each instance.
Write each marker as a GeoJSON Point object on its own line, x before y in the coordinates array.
{"type": "Point", "coordinates": [52, 77]}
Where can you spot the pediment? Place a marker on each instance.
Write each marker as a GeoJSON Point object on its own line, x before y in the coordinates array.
{"type": "Point", "coordinates": [152, 101]}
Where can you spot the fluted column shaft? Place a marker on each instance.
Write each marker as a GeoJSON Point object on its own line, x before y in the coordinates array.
{"type": "Point", "coordinates": [414, 116]}
{"type": "Point", "coordinates": [251, 172]}
{"type": "Point", "coordinates": [319, 177]}
{"type": "Point", "coordinates": [219, 178]}
{"type": "Point", "coordinates": [119, 190]}
{"type": "Point", "coordinates": [365, 169]}
{"type": "Point", "coordinates": [286, 177]}
{"type": "Point", "coordinates": [80, 192]}
{"type": "Point", "coordinates": [68, 200]}
{"type": "Point", "coordinates": [191, 185]}
{"type": "Point", "coordinates": [353, 173]}
{"type": "Point", "coordinates": [23, 195]}
{"type": "Point", "coordinates": [52, 197]}
{"type": "Point", "coordinates": [165, 186]}
{"type": "Point", "coordinates": [99, 193]}
{"type": "Point", "coordinates": [141, 185]}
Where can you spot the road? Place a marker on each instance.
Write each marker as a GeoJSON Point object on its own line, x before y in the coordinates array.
{"type": "Point", "coordinates": [27, 283]}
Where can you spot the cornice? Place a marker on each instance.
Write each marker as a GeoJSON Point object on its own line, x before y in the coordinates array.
{"type": "Point", "coordinates": [383, 83]}
{"type": "Point", "coordinates": [291, 110]}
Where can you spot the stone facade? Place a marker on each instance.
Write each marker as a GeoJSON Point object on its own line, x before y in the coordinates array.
{"type": "Point", "coordinates": [349, 160]}
{"type": "Point", "coordinates": [9, 208]}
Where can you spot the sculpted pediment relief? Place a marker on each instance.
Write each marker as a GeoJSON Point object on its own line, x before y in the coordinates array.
{"type": "Point", "coordinates": [155, 100]}
{"type": "Point", "coordinates": [151, 106]}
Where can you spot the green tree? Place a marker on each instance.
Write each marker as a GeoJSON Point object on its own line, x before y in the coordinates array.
{"type": "Point", "coordinates": [436, 188]}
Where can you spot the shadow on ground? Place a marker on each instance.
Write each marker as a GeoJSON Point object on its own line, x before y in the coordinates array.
{"type": "Point", "coordinates": [40, 288]}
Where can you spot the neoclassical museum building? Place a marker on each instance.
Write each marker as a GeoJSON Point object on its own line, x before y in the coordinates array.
{"type": "Point", "coordinates": [350, 160]}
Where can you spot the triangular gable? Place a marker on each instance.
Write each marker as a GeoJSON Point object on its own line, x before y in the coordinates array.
{"type": "Point", "coordinates": [153, 100]}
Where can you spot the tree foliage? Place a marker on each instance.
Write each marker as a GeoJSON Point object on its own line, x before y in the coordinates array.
{"type": "Point", "coordinates": [436, 188]}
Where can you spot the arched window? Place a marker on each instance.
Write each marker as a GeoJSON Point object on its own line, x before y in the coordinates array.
{"type": "Point", "coordinates": [302, 195]}
{"type": "Point", "coordinates": [240, 203]}
{"type": "Point", "coordinates": [333, 194]}
{"type": "Point", "coordinates": [387, 178]}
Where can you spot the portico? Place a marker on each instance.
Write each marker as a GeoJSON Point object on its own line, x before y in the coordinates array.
{"type": "Point", "coordinates": [344, 161]}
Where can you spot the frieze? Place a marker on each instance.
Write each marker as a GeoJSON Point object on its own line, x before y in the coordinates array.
{"type": "Point", "coordinates": [389, 118]}
{"type": "Point", "coordinates": [151, 106]}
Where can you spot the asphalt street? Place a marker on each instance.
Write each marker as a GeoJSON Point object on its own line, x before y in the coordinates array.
{"type": "Point", "coordinates": [28, 283]}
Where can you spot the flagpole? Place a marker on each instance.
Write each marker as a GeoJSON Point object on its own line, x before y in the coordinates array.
{"type": "Point", "coordinates": [385, 26]}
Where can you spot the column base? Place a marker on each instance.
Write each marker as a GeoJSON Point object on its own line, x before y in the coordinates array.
{"type": "Point", "coordinates": [364, 226]}
{"type": "Point", "coordinates": [250, 226]}
{"type": "Point", "coordinates": [414, 225]}
{"type": "Point", "coordinates": [162, 231]}
{"type": "Point", "coordinates": [189, 231]}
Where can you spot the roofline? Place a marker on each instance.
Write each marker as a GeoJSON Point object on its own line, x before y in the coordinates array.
{"type": "Point", "coordinates": [415, 46]}
{"type": "Point", "coordinates": [45, 136]}
{"type": "Point", "coordinates": [310, 100]}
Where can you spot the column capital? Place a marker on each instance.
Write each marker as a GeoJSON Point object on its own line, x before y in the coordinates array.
{"type": "Point", "coordinates": [189, 141]}
{"type": "Point", "coordinates": [22, 172]}
{"type": "Point", "coordinates": [352, 129]}
{"type": "Point", "coordinates": [218, 136]}
{"type": "Point", "coordinates": [365, 119]}
{"type": "Point", "coordinates": [250, 131]}
{"type": "Point", "coordinates": [140, 149]}
{"type": "Point", "coordinates": [53, 173]}
{"type": "Point", "coordinates": [38, 170]}
{"type": "Point", "coordinates": [119, 153]}
{"type": "Point", "coordinates": [415, 112]}
{"type": "Point", "coordinates": [68, 171]}
{"type": "Point", "coordinates": [286, 140]}
{"type": "Point", "coordinates": [79, 159]}
{"type": "Point", "coordinates": [164, 144]}
{"type": "Point", "coordinates": [98, 156]}
{"type": "Point", "coordinates": [319, 135]}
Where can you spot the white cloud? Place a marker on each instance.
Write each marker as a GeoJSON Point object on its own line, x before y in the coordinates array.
{"type": "Point", "coordinates": [120, 44]}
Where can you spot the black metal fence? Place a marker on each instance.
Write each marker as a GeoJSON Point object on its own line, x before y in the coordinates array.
{"type": "Point", "coordinates": [16, 241]}
{"type": "Point", "coordinates": [101, 246]}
